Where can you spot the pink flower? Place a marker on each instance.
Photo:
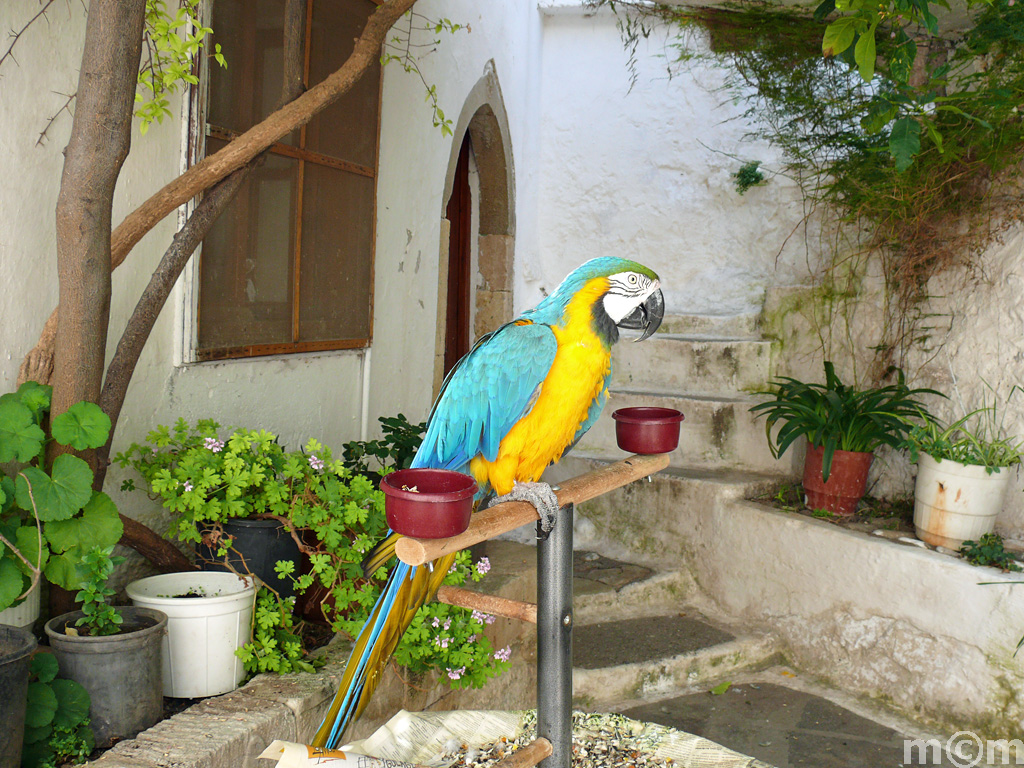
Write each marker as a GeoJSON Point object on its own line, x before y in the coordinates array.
{"type": "Point", "coordinates": [436, 622]}
{"type": "Point", "coordinates": [483, 565]}
{"type": "Point", "coordinates": [455, 674]}
{"type": "Point", "coordinates": [447, 624]}
{"type": "Point", "coordinates": [504, 654]}
{"type": "Point", "coordinates": [213, 444]}
{"type": "Point", "coordinates": [316, 462]}
{"type": "Point", "coordinates": [188, 485]}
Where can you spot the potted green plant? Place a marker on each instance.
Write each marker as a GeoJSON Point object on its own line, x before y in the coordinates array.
{"type": "Point", "coordinates": [962, 475]}
{"type": "Point", "coordinates": [50, 517]}
{"type": "Point", "coordinates": [843, 426]}
{"type": "Point", "coordinates": [114, 653]}
{"type": "Point", "coordinates": [336, 516]}
{"type": "Point", "coordinates": [228, 496]}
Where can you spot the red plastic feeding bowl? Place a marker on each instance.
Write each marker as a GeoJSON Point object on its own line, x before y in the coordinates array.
{"type": "Point", "coordinates": [428, 503]}
{"type": "Point", "coordinates": [647, 429]}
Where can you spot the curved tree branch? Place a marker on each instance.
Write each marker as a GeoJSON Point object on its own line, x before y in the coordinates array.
{"type": "Point", "coordinates": [137, 330]}
{"type": "Point", "coordinates": [38, 364]}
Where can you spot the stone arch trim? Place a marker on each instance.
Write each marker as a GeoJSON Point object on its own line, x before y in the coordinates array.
{"type": "Point", "coordinates": [483, 117]}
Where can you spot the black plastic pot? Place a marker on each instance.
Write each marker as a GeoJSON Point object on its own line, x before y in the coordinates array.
{"type": "Point", "coordinates": [122, 673]}
{"type": "Point", "coordinates": [16, 646]}
{"type": "Point", "coordinates": [256, 547]}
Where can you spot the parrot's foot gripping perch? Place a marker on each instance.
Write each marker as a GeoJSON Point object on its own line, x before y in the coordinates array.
{"type": "Point", "coordinates": [540, 495]}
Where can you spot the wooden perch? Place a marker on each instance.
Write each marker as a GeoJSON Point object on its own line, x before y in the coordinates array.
{"type": "Point", "coordinates": [527, 756]}
{"type": "Point", "coordinates": [493, 521]}
{"type": "Point", "coordinates": [498, 606]}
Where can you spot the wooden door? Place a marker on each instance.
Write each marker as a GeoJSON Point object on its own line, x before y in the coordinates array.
{"type": "Point", "coordinates": [456, 337]}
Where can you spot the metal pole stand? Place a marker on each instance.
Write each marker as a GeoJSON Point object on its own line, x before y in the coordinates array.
{"type": "Point", "coordinates": [554, 639]}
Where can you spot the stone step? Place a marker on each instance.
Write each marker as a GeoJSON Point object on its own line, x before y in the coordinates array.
{"type": "Point", "coordinates": [718, 431]}
{"type": "Point", "coordinates": [786, 722]}
{"type": "Point", "coordinates": [641, 523]}
{"type": "Point", "coordinates": [629, 659]}
{"type": "Point", "coordinates": [677, 363]}
{"type": "Point", "coordinates": [742, 326]}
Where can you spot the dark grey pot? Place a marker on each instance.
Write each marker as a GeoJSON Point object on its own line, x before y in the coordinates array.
{"type": "Point", "coordinates": [16, 646]}
{"type": "Point", "coordinates": [122, 673]}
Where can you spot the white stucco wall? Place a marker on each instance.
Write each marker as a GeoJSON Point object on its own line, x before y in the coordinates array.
{"type": "Point", "coordinates": [414, 162]}
{"type": "Point", "coordinates": [646, 174]}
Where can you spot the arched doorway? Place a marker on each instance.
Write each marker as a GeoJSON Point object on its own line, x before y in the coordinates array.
{"type": "Point", "coordinates": [477, 228]}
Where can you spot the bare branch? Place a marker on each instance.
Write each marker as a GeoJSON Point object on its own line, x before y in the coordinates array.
{"type": "Point", "coordinates": [136, 332]}
{"type": "Point", "coordinates": [9, 53]}
{"type": "Point", "coordinates": [49, 123]}
{"type": "Point", "coordinates": [38, 363]}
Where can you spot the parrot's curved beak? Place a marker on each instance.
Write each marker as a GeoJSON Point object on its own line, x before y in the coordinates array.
{"type": "Point", "coordinates": [647, 316]}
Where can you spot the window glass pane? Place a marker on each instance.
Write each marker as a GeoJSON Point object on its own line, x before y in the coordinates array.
{"type": "Point", "coordinates": [246, 269]}
{"type": "Point", "coordinates": [337, 231]}
{"type": "Point", "coordinates": [251, 39]}
{"type": "Point", "coordinates": [348, 128]}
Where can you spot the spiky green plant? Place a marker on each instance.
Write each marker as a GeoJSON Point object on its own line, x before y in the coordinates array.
{"type": "Point", "coordinates": [835, 416]}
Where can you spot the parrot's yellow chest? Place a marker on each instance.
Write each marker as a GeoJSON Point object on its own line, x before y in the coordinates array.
{"type": "Point", "coordinates": [575, 380]}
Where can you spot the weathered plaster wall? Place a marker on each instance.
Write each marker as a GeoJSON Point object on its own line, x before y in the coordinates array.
{"type": "Point", "coordinates": [504, 39]}
{"type": "Point", "coordinates": [646, 173]}
{"type": "Point", "coordinates": [974, 350]}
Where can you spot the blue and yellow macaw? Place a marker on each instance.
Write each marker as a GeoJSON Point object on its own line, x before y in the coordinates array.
{"type": "Point", "coordinates": [522, 397]}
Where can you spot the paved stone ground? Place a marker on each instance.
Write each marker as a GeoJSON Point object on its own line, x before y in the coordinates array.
{"type": "Point", "coordinates": [782, 726]}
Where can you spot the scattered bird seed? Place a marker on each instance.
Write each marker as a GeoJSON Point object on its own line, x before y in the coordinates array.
{"type": "Point", "coordinates": [598, 741]}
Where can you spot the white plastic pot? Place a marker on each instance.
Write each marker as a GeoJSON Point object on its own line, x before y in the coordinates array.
{"type": "Point", "coordinates": [956, 502]}
{"type": "Point", "coordinates": [25, 613]}
{"type": "Point", "coordinates": [203, 632]}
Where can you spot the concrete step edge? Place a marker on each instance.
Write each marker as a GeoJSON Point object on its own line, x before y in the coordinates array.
{"type": "Point", "coordinates": [729, 398]}
{"type": "Point", "coordinates": [654, 678]}
{"type": "Point", "coordinates": [650, 597]}
{"type": "Point", "coordinates": [733, 482]}
{"type": "Point", "coordinates": [706, 338]}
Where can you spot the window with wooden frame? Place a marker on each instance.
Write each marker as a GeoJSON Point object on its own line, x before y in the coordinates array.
{"type": "Point", "coordinates": [288, 266]}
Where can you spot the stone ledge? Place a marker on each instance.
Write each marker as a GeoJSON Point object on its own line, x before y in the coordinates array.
{"type": "Point", "coordinates": [232, 729]}
{"type": "Point", "coordinates": [903, 625]}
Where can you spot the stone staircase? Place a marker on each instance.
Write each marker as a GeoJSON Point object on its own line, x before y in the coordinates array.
{"type": "Point", "coordinates": [647, 645]}
{"type": "Point", "coordinates": [707, 368]}
{"type": "Point", "coordinates": [647, 642]}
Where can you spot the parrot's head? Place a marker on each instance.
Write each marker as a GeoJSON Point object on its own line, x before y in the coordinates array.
{"type": "Point", "coordinates": [625, 295]}
{"type": "Point", "coordinates": [634, 300]}
{"type": "Point", "coordinates": [613, 293]}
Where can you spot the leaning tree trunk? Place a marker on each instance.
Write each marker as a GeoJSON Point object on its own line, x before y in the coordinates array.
{"type": "Point", "coordinates": [99, 144]}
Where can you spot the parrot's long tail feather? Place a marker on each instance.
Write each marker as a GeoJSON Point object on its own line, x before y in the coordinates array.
{"type": "Point", "coordinates": [408, 588]}
{"type": "Point", "coordinates": [382, 551]}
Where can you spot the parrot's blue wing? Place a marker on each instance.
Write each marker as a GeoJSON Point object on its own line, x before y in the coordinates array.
{"type": "Point", "coordinates": [483, 397]}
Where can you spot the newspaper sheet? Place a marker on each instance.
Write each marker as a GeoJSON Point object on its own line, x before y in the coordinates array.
{"type": "Point", "coordinates": [424, 738]}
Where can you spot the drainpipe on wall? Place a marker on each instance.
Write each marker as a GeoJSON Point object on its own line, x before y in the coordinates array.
{"type": "Point", "coordinates": [364, 411]}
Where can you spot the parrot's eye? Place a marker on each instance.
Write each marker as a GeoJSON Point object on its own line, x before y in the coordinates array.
{"type": "Point", "coordinates": [632, 279]}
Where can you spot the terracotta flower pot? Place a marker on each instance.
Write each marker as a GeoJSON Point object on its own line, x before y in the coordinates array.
{"type": "Point", "coordinates": [846, 483]}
